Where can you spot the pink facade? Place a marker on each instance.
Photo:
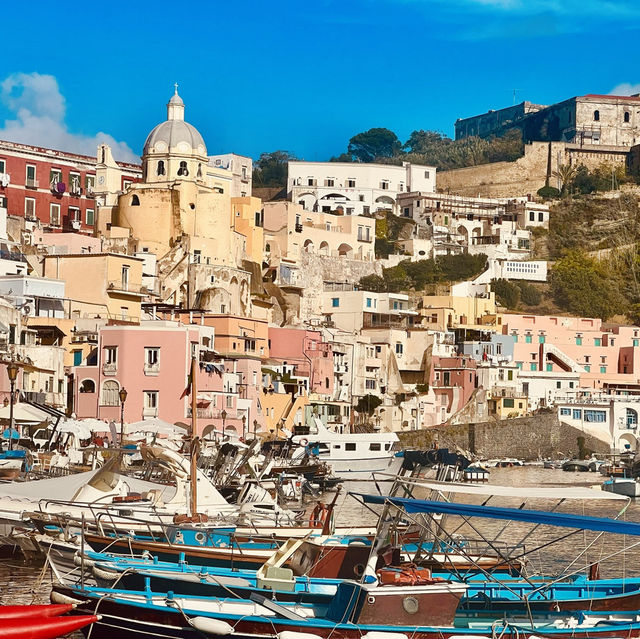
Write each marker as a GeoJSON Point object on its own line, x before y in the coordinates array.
{"type": "Point", "coordinates": [152, 363]}
{"type": "Point", "coordinates": [453, 378]}
{"type": "Point", "coordinates": [604, 357]}
{"type": "Point", "coordinates": [306, 351]}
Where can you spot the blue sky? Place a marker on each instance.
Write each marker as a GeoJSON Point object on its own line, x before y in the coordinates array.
{"type": "Point", "coordinates": [300, 76]}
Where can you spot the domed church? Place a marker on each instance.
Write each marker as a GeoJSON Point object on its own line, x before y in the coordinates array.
{"type": "Point", "coordinates": [183, 213]}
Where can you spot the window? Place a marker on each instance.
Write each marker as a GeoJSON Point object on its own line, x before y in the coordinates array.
{"type": "Point", "coordinates": [541, 339]}
{"type": "Point", "coordinates": [598, 416]}
{"type": "Point", "coordinates": [632, 418]}
{"type": "Point", "coordinates": [229, 401]}
{"type": "Point", "coordinates": [565, 411]}
{"type": "Point", "coordinates": [510, 375]}
{"type": "Point", "coordinates": [74, 184]}
{"type": "Point", "coordinates": [74, 214]}
{"type": "Point", "coordinates": [597, 341]}
{"type": "Point", "coordinates": [577, 413]}
{"type": "Point", "coordinates": [135, 200]}
{"type": "Point", "coordinates": [30, 208]}
{"type": "Point", "coordinates": [125, 278]}
{"type": "Point", "coordinates": [375, 446]}
{"type": "Point", "coordinates": [31, 176]}
{"type": "Point", "coordinates": [399, 348]}
{"type": "Point", "coordinates": [426, 174]}
{"type": "Point", "coordinates": [349, 446]}
{"type": "Point", "coordinates": [183, 170]}
{"type": "Point", "coordinates": [578, 341]}
{"type": "Point", "coordinates": [508, 403]}
{"type": "Point", "coordinates": [533, 366]}
{"type": "Point", "coordinates": [636, 342]}
{"type": "Point", "coordinates": [3, 166]}
{"type": "Point", "coordinates": [596, 116]}
{"type": "Point", "coordinates": [161, 170]}
{"type": "Point", "coordinates": [603, 369]}
{"type": "Point", "coordinates": [587, 368]}
{"type": "Point", "coordinates": [540, 217]}
{"type": "Point", "coordinates": [369, 302]}
{"type": "Point", "coordinates": [249, 345]}
{"type": "Point", "coordinates": [335, 302]}
{"type": "Point", "coordinates": [110, 396]}
{"type": "Point", "coordinates": [528, 339]}
{"type": "Point", "coordinates": [55, 177]}
{"type": "Point", "coordinates": [532, 216]}
{"type": "Point", "coordinates": [351, 184]}
{"type": "Point", "coordinates": [370, 384]}
{"type": "Point", "coordinates": [329, 182]}
{"type": "Point", "coordinates": [515, 339]}
{"type": "Point", "coordinates": [151, 359]}
{"type": "Point", "coordinates": [151, 399]}
{"type": "Point", "coordinates": [384, 185]}
{"type": "Point", "coordinates": [54, 214]}
{"type": "Point", "coordinates": [627, 116]}
{"type": "Point", "coordinates": [111, 355]}
{"type": "Point", "coordinates": [87, 386]}
{"type": "Point", "coordinates": [197, 256]}
{"type": "Point", "coordinates": [519, 365]}
{"type": "Point", "coordinates": [90, 217]}
{"type": "Point", "coordinates": [89, 184]}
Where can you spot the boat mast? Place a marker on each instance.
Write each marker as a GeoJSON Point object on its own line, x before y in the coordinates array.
{"type": "Point", "coordinates": [194, 441]}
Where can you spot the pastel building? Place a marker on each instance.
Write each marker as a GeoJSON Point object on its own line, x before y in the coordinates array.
{"type": "Point", "coordinates": [105, 285]}
{"type": "Point", "coordinates": [354, 188]}
{"type": "Point", "coordinates": [443, 312]}
{"type": "Point", "coordinates": [152, 362]}
{"type": "Point", "coordinates": [290, 231]}
{"type": "Point", "coordinates": [355, 310]}
{"type": "Point", "coordinates": [600, 358]}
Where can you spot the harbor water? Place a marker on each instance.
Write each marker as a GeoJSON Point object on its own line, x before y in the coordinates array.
{"type": "Point", "coordinates": [30, 582]}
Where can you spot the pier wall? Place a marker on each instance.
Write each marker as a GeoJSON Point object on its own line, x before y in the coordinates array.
{"type": "Point", "coordinates": [540, 436]}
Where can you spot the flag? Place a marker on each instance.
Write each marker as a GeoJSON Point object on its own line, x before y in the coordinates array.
{"type": "Point", "coordinates": [187, 390]}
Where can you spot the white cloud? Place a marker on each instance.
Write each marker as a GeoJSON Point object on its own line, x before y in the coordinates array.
{"type": "Point", "coordinates": [39, 110]}
{"type": "Point", "coordinates": [625, 88]}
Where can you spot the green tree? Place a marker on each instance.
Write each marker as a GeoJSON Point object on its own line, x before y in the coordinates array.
{"type": "Point", "coordinates": [565, 173]}
{"type": "Point", "coordinates": [271, 169]}
{"type": "Point", "coordinates": [373, 283]}
{"type": "Point", "coordinates": [585, 286]}
{"type": "Point", "coordinates": [529, 294]}
{"type": "Point", "coordinates": [507, 293]}
{"type": "Point", "coordinates": [373, 144]}
{"type": "Point", "coordinates": [368, 404]}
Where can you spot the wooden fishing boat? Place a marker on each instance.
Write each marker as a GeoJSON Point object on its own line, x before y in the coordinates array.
{"type": "Point", "coordinates": [43, 627]}
{"type": "Point", "coordinates": [358, 611]}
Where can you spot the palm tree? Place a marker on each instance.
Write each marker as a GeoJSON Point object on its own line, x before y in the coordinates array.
{"type": "Point", "coordinates": [564, 174]}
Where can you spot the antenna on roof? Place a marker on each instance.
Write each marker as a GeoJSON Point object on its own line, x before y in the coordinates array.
{"type": "Point", "coordinates": [514, 95]}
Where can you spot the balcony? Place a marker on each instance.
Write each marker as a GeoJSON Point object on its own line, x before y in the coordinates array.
{"type": "Point", "coordinates": [152, 370]}
{"type": "Point", "coordinates": [30, 183]}
{"type": "Point", "coordinates": [110, 368]}
{"type": "Point", "coordinates": [149, 412]}
{"type": "Point", "coordinates": [120, 287]}
{"type": "Point", "coordinates": [341, 368]}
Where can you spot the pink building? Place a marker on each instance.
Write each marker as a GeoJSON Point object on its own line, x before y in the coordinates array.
{"type": "Point", "coordinates": [604, 358]}
{"type": "Point", "coordinates": [306, 353]}
{"type": "Point", "coordinates": [453, 380]}
{"type": "Point", "coordinates": [152, 362]}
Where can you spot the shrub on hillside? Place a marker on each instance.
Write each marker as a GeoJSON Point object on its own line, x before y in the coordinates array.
{"type": "Point", "coordinates": [549, 193]}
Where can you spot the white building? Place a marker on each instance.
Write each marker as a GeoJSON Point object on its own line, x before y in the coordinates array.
{"type": "Point", "coordinates": [351, 188]}
{"type": "Point", "coordinates": [35, 296]}
{"type": "Point", "coordinates": [240, 167]}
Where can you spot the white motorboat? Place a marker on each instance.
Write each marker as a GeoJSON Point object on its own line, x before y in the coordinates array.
{"type": "Point", "coordinates": [354, 455]}
{"type": "Point", "coordinates": [626, 486]}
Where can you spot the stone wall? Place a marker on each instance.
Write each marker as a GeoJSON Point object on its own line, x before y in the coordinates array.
{"type": "Point", "coordinates": [539, 436]}
{"type": "Point", "coordinates": [316, 269]}
{"type": "Point", "coordinates": [527, 174]}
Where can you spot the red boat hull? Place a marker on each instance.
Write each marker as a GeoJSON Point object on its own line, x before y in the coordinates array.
{"type": "Point", "coordinates": [22, 612]}
{"type": "Point", "coordinates": [43, 627]}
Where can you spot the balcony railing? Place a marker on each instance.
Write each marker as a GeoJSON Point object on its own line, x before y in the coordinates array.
{"type": "Point", "coordinates": [110, 368]}
{"type": "Point", "coordinates": [152, 370]}
{"type": "Point", "coordinates": [30, 183]}
{"type": "Point", "coordinates": [118, 286]}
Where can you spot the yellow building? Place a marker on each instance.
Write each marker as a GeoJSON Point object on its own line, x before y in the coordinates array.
{"type": "Point", "coordinates": [442, 312]}
{"type": "Point", "coordinates": [512, 404]}
{"type": "Point", "coordinates": [248, 218]}
{"type": "Point", "coordinates": [103, 285]}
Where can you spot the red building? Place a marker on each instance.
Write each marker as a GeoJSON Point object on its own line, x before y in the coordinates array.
{"type": "Point", "coordinates": [53, 187]}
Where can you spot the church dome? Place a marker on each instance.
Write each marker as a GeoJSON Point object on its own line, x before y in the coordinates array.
{"type": "Point", "coordinates": [174, 135]}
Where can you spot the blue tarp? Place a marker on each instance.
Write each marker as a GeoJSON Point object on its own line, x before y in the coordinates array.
{"type": "Point", "coordinates": [14, 434]}
{"type": "Point", "coordinates": [562, 520]}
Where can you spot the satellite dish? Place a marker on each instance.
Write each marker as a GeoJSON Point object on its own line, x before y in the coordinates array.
{"type": "Point", "coordinates": [26, 310]}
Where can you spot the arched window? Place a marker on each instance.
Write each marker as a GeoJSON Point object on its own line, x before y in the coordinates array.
{"type": "Point", "coordinates": [627, 116]}
{"type": "Point", "coordinates": [596, 116]}
{"type": "Point", "coordinates": [88, 386]}
{"type": "Point", "coordinates": [183, 170]}
{"type": "Point", "coordinates": [110, 393]}
{"type": "Point", "coordinates": [135, 201]}
{"type": "Point", "coordinates": [632, 418]}
{"type": "Point", "coordinates": [267, 248]}
{"type": "Point", "coordinates": [199, 174]}
{"type": "Point", "coordinates": [326, 382]}
{"type": "Point", "coordinates": [161, 169]}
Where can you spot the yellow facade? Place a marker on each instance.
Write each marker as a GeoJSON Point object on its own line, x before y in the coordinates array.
{"type": "Point", "coordinates": [105, 285]}
{"type": "Point", "coordinates": [457, 311]}
{"type": "Point", "coordinates": [247, 220]}
{"type": "Point", "coordinates": [280, 410]}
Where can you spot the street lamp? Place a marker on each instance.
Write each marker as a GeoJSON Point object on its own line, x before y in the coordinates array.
{"type": "Point", "coordinates": [223, 414]}
{"type": "Point", "coordinates": [123, 398]}
{"type": "Point", "coordinates": [12, 372]}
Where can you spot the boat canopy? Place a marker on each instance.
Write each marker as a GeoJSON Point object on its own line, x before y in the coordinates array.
{"type": "Point", "coordinates": [520, 492]}
{"type": "Point", "coordinates": [562, 520]}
